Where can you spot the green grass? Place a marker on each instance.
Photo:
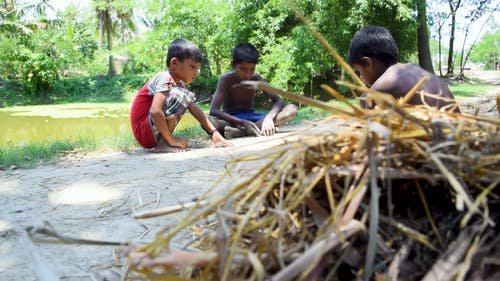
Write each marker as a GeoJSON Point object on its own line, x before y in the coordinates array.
{"type": "Point", "coordinates": [48, 152]}
{"type": "Point", "coordinates": [308, 113]}
{"type": "Point", "coordinates": [27, 156]}
{"type": "Point", "coordinates": [470, 89]}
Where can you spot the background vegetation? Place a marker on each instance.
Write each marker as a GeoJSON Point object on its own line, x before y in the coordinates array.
{"type": "Point", "coordinates": [106, 52]}
{"type": "Point", "coordinates": [114, 47]}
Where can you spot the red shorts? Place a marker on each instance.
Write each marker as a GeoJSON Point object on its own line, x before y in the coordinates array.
{"type": "Point", "coordinates": [139, 118]}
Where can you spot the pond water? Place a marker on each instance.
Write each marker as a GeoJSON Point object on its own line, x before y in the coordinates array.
{"type": "Point", "coordinates": [35, 124]}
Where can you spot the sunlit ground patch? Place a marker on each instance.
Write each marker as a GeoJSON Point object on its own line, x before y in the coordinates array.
{"type": "Point", "coordinates": [84, 193]}
{"type": "Point", "coordinates": [5, 226]}
{"type": "Point", "coordinates": [10, 187]}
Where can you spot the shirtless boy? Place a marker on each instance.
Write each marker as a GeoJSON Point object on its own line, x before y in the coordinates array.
{"type": "Point", "coordinates": [374, 54]}
{"type": "Point", "coordinates": [232, 108]}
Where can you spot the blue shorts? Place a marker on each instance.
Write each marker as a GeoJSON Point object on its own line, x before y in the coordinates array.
{"type": "Point", "coordinates": [250, 116]}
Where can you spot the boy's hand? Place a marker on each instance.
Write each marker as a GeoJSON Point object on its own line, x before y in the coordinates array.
{"type": "Point", "coordinates": [217, 137]}
{"type": "Point", "coordinates": [251, 128]}
{"type": "Point", "coordinates": [268, 128]}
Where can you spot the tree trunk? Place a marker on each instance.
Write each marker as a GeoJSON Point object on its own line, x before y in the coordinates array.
{"type": "Point", "coordinates": [462, 59]}
{"type": "Point", "coordinates": [440, 52]}
{"type": "Point", "coordinates": [453, 11]}
{"type": "Point", "coordinates": [478, 12]}
{"type": "Point", "coordinates": [122, 30]}
{"type": "Point", "coordinates": [424, 53]}
{"type": "Point", "coordinates": [109, 33]}
{"type": "Point", "coordinates": [101, 30]}
{"type": "Point", "coordinates": [449, 71]}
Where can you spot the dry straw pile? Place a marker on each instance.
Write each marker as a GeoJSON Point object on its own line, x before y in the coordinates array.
{"type": "Point", "coordinates": [394, 193]}
{"type": "Point", "coordinates": [401, 193]}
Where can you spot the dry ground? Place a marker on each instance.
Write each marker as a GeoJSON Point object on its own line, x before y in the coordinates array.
{"type": "Point", "coordinates": [95, 196]}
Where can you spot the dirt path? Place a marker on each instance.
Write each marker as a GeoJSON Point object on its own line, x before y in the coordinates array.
{"type": "Point", "coordinates": [485, 104]}
{"type": "Point", "coordinates": [95, 196]}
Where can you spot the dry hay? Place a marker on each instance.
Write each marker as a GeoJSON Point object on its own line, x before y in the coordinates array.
{"type": "Point", "coordinates": [399, 193]}
{"type": "Point", "coordinates": [395, 193]}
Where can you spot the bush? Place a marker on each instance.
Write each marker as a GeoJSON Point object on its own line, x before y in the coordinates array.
{"type": "Point", "coordinates": [97, 89]}
{"type": "Point", "coordinates": [204, 87]}
{"type": "Point", "coordinates": [12, 93]}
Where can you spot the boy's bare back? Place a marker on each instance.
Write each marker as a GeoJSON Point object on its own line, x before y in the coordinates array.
{"type": "Point", "coordinates": [374, 54]}
{"type": "Point", "coordinates": [399, 78]}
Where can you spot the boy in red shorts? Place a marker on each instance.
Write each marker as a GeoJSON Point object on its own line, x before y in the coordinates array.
{"type": "Point", "coordinates": [162, 101]}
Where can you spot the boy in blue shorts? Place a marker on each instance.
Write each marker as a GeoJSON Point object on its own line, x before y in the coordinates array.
{"type": "Point", "coordinates": [237, 117]}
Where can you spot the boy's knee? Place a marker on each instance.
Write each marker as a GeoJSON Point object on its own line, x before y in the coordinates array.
{"type": "Point", "coordinates": [218, 123]}
{"type": "Point", "coordinates": [292, 107]}
{"type": "Point", "coordinates": [290, 110]}
{"type": "Point", "coordinates": [286, 114]}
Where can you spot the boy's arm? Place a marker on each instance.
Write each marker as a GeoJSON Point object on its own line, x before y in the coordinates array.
{"type": "Point", "coordinates": [268, 128]}
{"type": "Point", "coordinates": [206, 124]}
{"type": "Point", "coordinates": [158, 116]}
{"type": "Point", "coordinates": [278, 104]}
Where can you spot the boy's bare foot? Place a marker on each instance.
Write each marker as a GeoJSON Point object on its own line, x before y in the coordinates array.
{"type": "Point", "coordinates": [164, 147]}
{"type": "Point", "coordinates": [168, 149]}
{"type": "Point", "coordinates": [232, 132]}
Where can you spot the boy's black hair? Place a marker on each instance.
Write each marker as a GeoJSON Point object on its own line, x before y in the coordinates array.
{"type": "Point", "coordinates": [182, 49]}
{"type": "Point", "coordinates": [373, 42]}
{"type": "Point", "coordinates": [245, 52]}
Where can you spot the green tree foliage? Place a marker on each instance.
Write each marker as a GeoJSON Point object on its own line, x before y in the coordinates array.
{"type": "Point", "coordinates": [291, 57]}
{"type": "Point", "coordinates": [41, 51]}
{"type": "Point", "coordinates": [206, 23]}
{"type": "Point", "coordinates": [451, 16]}
{"type": "Point", "coordinates": [486, 52]}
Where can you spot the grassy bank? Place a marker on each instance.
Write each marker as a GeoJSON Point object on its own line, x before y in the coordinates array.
{"type": "Point", "coordinates": [27, 156]}
{"type": "Point", "coordinates": [48, 152]}
{"type": "Point", "coordinates": [466, 90]}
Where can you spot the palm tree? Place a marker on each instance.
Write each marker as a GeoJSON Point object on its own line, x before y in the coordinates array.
{"type": "Point", "coordinates": [25, 18]}
{"type": "Point", "coordinates": [9, 19]}
{"type": "Point", "coordinates": [124, 13]}
{"type": "Point", "coordinates": [104, 9]}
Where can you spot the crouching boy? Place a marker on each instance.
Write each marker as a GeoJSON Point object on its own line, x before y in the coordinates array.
{"type": "Point", "coordinates": [162, 101]}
